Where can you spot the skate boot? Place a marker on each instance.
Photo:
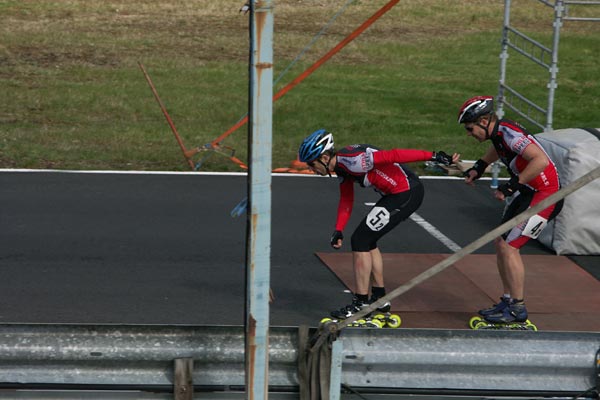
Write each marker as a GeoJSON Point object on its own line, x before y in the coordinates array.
{"type": "Point", "coordinates": [351, 309]}
{"type": "Point", "coordinates": [515, 312]}
{"type": "Point", "coordinates": [496, 308]}
{"type": "Point", "coordinates": [513, 317]}
{"type": "Point", "coordinates": [383, 315]}
{"type": "Point", "coordinates": [384, 308]}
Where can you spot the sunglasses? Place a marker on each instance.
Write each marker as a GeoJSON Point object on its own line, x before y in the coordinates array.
{"type": "Point", "coordinates": [469, 128]}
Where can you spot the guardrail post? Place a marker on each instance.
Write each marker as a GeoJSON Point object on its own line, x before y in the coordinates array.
{"type": "Point", "coordinates": [598, 372]}
{"type": "Point", "coordinates": [184, 385]}
{"type": "Point", "coordinates": [335, 381]}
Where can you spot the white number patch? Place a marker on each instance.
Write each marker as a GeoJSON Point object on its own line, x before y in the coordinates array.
{"type": "Point", "coordinates": [378, 218]}
{"type": "Point", "coordinates": [535, 225]}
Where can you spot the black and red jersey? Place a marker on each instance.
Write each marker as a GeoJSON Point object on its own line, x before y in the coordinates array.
{"type": "Point", "coordinates": [370, 167]}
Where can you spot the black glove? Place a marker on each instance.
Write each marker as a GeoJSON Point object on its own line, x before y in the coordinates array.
{"type": "Point", "coordinates": [441, 157]}
{"type": "Point", "coordinates": [479, 167]}
{"type": "Point", "coordinates": [337, 235]}
{"type": "Point", "coordinates": [509, 188]}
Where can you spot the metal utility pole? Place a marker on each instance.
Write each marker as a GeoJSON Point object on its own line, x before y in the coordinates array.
{"type": "Point", "coordinates": [258, 236]}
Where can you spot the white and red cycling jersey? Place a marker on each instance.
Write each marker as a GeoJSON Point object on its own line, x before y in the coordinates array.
{"type": "Point", "coordinates": [510, 140]}
{"type": "Point", "coordinates": [370, 167]}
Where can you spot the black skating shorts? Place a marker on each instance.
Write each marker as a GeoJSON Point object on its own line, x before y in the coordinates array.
{"type": "Point", "coordinates": [388, 212]}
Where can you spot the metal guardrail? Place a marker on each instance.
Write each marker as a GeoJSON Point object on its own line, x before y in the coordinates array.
{"type": "Point", "coordinates": [135, 355]}
{"type": "Point", "coordinates": [91, 356]}
{"type": "Point", "coordinates": [472, 360]}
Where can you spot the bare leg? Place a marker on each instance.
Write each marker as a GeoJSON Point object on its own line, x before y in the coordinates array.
{"type": "Point", "coordinates": [514, 269]}
{"type": "Point", "coordinates": [500, 264]}
{"type": "Point", "coordinates": [377, 267]}
{"type": "Point", "coordinates": [363, 265]}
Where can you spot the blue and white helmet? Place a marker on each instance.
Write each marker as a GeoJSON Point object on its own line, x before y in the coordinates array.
{"type": "Point", "coordinates": [314, 145]}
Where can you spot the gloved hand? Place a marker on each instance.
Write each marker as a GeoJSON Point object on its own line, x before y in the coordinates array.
{"type": "Point", "coordinates": [479, 168]}
{"type": "Point", "coordinates": [337, 235]}
{"type": "Point", "coordinates": [441, 157]}
{"type": "Point", "coordinates": [245, 8]}
{"type": "Point", "coordinates": [509, 188]}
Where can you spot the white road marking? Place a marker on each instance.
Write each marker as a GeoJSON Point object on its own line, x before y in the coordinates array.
{"type": "Point", "coordinates": [133, 172]}
{"type": "Point", "coordinates": [432, 230]}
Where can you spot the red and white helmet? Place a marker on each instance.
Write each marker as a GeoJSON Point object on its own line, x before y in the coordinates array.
{"type": "Point", "coordinates": [474, 108]}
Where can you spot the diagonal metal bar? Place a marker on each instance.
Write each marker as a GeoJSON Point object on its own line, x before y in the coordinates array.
{"type": "Point", "coordinates": [167, 116]}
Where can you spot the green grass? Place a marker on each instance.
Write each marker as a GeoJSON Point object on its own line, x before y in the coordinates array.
{"type": "Point", "coordinates": [73, 96]}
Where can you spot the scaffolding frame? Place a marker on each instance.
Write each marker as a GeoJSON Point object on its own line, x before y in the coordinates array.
{"type": "Point", "coordinates": [546, 57]}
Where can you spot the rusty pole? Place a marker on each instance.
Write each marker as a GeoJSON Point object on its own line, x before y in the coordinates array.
{"type": "Point", "coordinates": [258, 236]}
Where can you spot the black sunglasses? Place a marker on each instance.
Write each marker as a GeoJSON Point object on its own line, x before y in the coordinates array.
{"type": "Point", "coordinates": [469, 128]}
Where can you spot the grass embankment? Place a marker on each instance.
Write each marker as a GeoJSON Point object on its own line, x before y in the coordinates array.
{"type": "Point", "coordinates": [73, 96]}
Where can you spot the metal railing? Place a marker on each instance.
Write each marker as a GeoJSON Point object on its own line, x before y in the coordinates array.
{"type": "Point", "coordinates": [392, 360]}
{"type": "Point", "coordinates": [547, 57]}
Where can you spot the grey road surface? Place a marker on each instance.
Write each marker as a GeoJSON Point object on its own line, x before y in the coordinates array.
{"type": "Point", "coordinates": [103, 248]}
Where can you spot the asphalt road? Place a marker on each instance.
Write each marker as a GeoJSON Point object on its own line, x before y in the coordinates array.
{"type": "Point", "coordinates": [103, 248]}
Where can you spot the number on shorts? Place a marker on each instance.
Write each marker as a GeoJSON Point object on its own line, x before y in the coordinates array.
{"type": "Point", "coordinates": [378, 218]}
{"type": "Point", "coordinates": [535, 226]}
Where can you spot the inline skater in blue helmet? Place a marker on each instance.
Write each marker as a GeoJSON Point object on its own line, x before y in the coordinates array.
{"type": "Point", "coordinates": [314, 146]}
{"type": "Point", "coordinates": [401, 191]}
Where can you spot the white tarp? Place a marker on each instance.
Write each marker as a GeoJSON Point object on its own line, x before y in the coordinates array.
{"type": "Point", "coordinates": [576, 230]}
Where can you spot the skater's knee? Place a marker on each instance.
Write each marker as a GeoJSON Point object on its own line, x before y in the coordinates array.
{"type": "Point", "coordinates": [501, 245]}
{"type": "Point", "coordinates": [505, 251]}
{"type": "Point", "coordinates": [498, 241]}
{"type": "Point", "coordinates": [360, 243]}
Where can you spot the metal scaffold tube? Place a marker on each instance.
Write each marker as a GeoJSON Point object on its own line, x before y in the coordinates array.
{"type": "Point", "coordinates": [531, 49]}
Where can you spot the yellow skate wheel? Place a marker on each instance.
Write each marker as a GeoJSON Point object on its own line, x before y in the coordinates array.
{"type": "Point", "coordinates": [474, 320]}
{"type": "Point", "coordinates": [530, 326]}
{"type": "Point", "coordinates": [380, 317]}
{"type": "Point", "coordinates": [361, 323]}
{"type": "Point", "coordinates": [326, 319]}
{"type": "Point", "coordinates": [375, 323]}
{"type": "Point", "coordinates": [394, 321]}
{"type": "Point", "coordinates": [480, 324]}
